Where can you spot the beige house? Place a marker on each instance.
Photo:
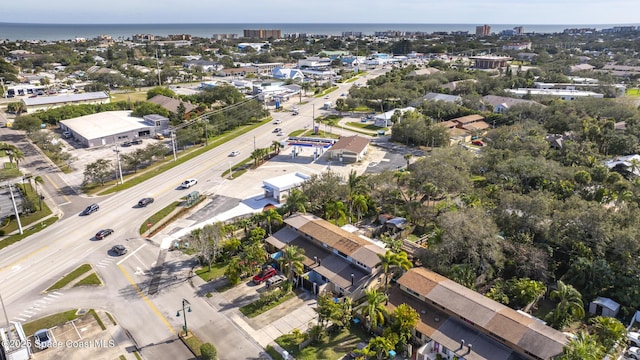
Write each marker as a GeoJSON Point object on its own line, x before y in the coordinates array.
{"type": "Point", "coordinates": [349, 149]}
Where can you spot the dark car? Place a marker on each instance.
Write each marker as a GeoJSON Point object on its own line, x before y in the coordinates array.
{"type": "Point", "coordinates": [90, 209]}
{"type": "Point", "coordinates": [127, 143]}
{"type": "Point", "coordinates": [265, 274]}
{"type": "Point", "coordinates": [103, 233]}
{"type": "Point", "coordinates": [119, 250]}
{"type": "Point", "coordinates": [144, 202]}
{"type": "Point", "coordinates": [136, 142]}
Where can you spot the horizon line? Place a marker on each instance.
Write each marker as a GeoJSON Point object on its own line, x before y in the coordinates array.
{"type": "Point", "coordinates": [308, 23]}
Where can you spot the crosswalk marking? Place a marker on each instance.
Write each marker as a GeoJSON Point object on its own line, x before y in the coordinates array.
{"type": "Point", "coordinates": [38, 306]}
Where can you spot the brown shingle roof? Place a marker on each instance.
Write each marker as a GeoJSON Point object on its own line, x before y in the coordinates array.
{"type": "Point", "coordinates": [171, 104]}
{"type": "Point", "coordinates": [522, 332]}
{"type": "Point", "coordinates": [337, 238]}
{"type": "Point", "coordinates": [468, 119]}
{"type": "Point", "coordinates": [353, 143]}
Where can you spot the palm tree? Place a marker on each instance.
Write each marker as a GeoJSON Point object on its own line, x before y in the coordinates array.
{"type": "Point", "coordinates": [582, 347]}
{"type": "Point", "coordinates": [276, 145]}
{"type": "Point", "coordinates": [569, 305]}
{"type": "Point", "coordinates": [256, 155]}
{"type": "Point", "coordinates": [292, 257]}
{"type": "Point", "coordinates": [38, 180]}
{"type": "Point", "coordinates": [336, 211]}
{"type": "Point", "coordinates": [391, 262]}
{"type": "Point", "coordinates": [360, 205]}
{"type": "Point", "coordinates": [374, 310]}
{"type": "Point", "coordinates": [270, 216]}
{"type": "Point", "coordinates": [610, 331]}
{"type": "Point", "coordinates": [407, 156]}
{"type": "Point", "coordinates": [296, 201]}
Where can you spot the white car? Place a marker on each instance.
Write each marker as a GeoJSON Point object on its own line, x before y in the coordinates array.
{"type": "Point", "coordinates": [277, 122]}
{"type": "Point", "coordinates": [280, 133]}
{"type": "Point", "coordinates": [234, 153]}
{"type": "Point", "coordinates": [634, 353]}
{"type": "Point", "coordinates": [188, 183]}
{"type": "Point", "coordinates": [42, 339]}
{"type": "Point", "coordinates": [634, 338]}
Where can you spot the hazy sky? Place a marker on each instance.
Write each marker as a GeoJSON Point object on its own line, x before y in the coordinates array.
{"type": "Point", "coordinates": [323, 11]}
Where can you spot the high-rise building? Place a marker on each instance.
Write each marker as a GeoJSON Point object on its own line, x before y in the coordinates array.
{"type": "Point", "coordinates": [483, 30]}
{"type": "Point", "coordinates": [262, 34]}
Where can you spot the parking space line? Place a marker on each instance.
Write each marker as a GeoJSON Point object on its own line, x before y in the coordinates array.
{"type": "Point", "coordinates": [128, 256]}
{"type": "Point", "coordinates": [146, 299]}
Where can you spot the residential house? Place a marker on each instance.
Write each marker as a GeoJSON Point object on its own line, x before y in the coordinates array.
{"type": "Point", "coordinates": [335, 260]}
{"type": "Point", "coordinates": [581, 67]}
{"type": "Point", "coordinates": [502, 104]}
{"type": "Point", "coordinates": [443, 97]}
{"type": "Point", "coordinates": [628, 166]}
{"type": "Point", "coordinates": [463, 129]}
{"type": "Point", "coordinates": [207, 65]}
{"type": "Point", "coordinates": [349, 148]}
{"type": "Point", "coordinates": [172, 104]}
{"type": "Point", "coordinates": [457, 322]}
{"type": "Point", "coordinates": [384, 119]}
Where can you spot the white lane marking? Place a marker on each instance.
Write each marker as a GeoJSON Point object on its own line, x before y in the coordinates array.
{"type": "Point", "coordinates": [128, 256]}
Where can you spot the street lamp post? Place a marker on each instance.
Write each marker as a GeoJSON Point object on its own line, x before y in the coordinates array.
{"type": "Point", "coordinates": [117, 151]}
{"type": "Point", "coordinates": [187, 305]}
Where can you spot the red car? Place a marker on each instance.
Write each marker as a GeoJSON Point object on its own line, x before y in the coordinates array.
{"type": "Point", "coordinates": [477, 143]}
{"type": "Point", "coordinates": [264, 275]}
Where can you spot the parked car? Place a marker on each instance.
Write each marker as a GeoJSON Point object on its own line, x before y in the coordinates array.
{"type": "Point", "coordinates": [234, 153]}
{"type": "Point", "coordinates": [42, 339]}
{"type": "Point", "coordinates": [119, 250]}
{"type": "Point", "coordinates": [634, 338]}
{"type": "Point", "coordinates": [127, 143]}
{"type": "Point", "coordinates": [90, 209]}
{"type": "Point", "coordinates": [477, 143]}
{"type": "Point", "coordinates": [265, 274]}
{"type": "Point", "coordinates": [275, 280]}
{"type": "Point", "coordinates": [103, 233]}
{"type": "Point", "coordinates": [145, 201]}
{"type": "Point", "coordinates": [634, 352]}
{"type": "Point", "coordinates": [159, 137]}
{"type": "Point", "coordinates": [136, 142]}
{"type": "Point", "coordinates": [188, 183]}
{"type": "Point", "coordinates": [66, 134]}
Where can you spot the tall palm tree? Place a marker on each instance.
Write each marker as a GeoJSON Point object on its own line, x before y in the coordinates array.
{"type": "Point", "coordinates": [292, 257]}
{"type": "Point", "coordinates": [297, 201]}
{"type": "Point", "coordinates": [336, 210]}
{"type": "Point", "coordinates": [374, 311]}
{"type": "Point", "coordinates": [38, 180]}
{"type": "Point", "coordinates": [276, 145]}
{"type": "Point", "coordinates": [271, 216]}
{"type": "Point", "coordinates": [569, 305]}
{"type": "Point", "coordinates": [391, 262]}
{"type": "Point", "coordinates": [360, 205]}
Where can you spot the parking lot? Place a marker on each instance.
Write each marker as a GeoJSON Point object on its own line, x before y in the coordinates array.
{"type": "Point", "coordinates": [83, 338]}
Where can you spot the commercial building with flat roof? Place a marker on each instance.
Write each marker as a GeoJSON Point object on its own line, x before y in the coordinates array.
{"type": "Point", "coordinates": [280, 187]}
{"type": "Point", "coordinates": [42, 103]}
{"type": "Point", "coordinates": [110, 127]}
{"type": "Point", "coordinates": [562, 94]}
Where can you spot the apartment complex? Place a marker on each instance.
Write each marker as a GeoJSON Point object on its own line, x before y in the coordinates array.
{"type": "Point", "coordinates": [483, 30]}
{"type": "Point", "coordinates": [262, 34]}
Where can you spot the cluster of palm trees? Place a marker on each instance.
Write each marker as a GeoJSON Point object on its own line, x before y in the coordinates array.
{"type": "Point", "coordinates": [258, 155]}
{"type": "Point", "coordinates": [13, 153]}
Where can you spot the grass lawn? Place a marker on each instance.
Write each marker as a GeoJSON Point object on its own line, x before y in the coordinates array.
{"type": "Point", "coordinates": [28, 232]}
{"type": "Point", "coordinates": [366, 126]}
{"type": "Point", "coordinates": [49, 321]}
{"type": "Point", "coordinates": [92, 279]}
{"type": "Point", "coordinates": [193, 342]}
{"type": "Point", "coordinates": [320, 134]}
{"type": "Point", "coordinates": [70, 277]}
{"type": "Point", "coordinates": [28, 219]}
{"type": "Point", "coordinates": [217, 271]}
{"type": "Point", "coordinates": [333, 346]}
{"type": "Point", "coordinates": [130, 96]}
{"type": "Point", "coordinates": [259, 306]}
{"type": "Point", "coordinates": [633, 92]}
{"type": "Point", "coordinates": [157, 217]}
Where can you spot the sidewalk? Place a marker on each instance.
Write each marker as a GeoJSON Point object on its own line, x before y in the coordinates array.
{"type": "Point", "coordinates": [297, 313]}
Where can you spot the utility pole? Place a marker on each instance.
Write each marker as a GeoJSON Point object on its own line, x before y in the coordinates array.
{"type": "Point", "coordinates": [173, 146]}
{"type": "Point", "coordinates": [117, 151]}
{"type": "Point", "coordinates": [15, 210]}
{"type": "Point", "coordinates": [313, 118]}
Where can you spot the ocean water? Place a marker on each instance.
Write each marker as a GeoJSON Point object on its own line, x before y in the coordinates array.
{"type": "Point", "coordinates": [22, 31]}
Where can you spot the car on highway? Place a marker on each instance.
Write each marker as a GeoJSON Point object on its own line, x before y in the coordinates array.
{"type": "Point", "coordinates": [265, 274]}
{"type": "Point", "coordinates": [277, 130]}
{"type": "Point", "coordinates": [145, 201]}
{"type": "Point", "coordinates": [90, 209]}
{"type": "Point", "coordinates": [103, 233]}
{"type": "Point", "coordinates": [634, 352]}
{"type": "Point", "coordinates": [234, 153]}
{"type": "Point", "coordinates": [280, 133]}
{"type": "Point", "coordinates": [277, 122]}
{"type": "Point", "coordinates": [42, 339]}
{"type": "Point", "coordinates": [119, 250]}
{"type": "Point", "coordinates": [326, 96]}
{"type": "Point", "coordinates": [634, 338]}
{"type": "Point", "coordinates": [188, 183]}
